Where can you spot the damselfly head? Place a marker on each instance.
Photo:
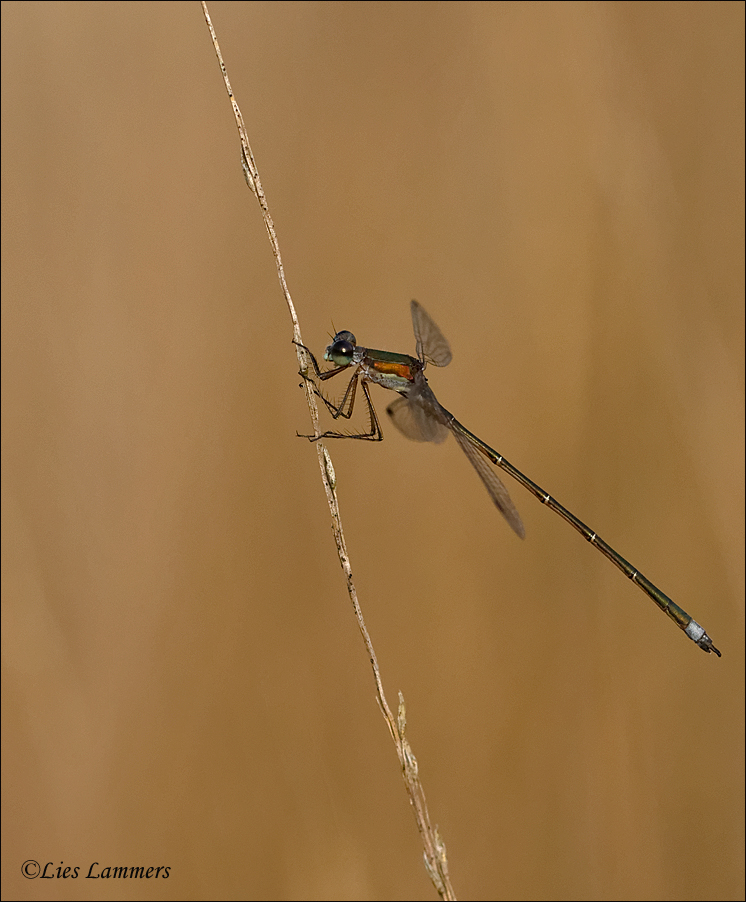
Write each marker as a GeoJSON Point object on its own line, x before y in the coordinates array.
{"type": "Point", "coordinates": [341, 349]}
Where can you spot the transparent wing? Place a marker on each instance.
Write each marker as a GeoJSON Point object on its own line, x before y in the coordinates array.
{"type": "Point", "coordinates": [431, 345]}
{"type": "Point", "coordinates": [413, 422]}
{"type": "Point", "coordinates": [493, 484]}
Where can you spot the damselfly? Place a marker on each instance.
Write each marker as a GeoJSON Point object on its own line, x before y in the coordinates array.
{"type": "Point", "coordinates": [421, 417]}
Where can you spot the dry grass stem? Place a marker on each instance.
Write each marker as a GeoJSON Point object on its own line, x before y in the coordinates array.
{"type": "Point", "coordinates": [434, 848]}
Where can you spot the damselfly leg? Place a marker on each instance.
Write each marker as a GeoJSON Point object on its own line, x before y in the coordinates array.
{"type": "Point", "coordinates": [346, 406]}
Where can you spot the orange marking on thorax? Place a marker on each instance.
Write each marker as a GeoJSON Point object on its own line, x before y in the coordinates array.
{"type": "Point", "coordinates": [395, 369]}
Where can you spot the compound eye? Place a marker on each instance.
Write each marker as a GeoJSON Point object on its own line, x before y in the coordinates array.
{"type": "Point", "coordinates": [340, 351]}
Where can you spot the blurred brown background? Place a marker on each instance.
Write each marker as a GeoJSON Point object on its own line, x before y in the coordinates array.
{"type": "Point", "coordinates": [561, 186]}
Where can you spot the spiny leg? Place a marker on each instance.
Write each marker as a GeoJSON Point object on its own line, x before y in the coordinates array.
{"type": "Point", "coordinates": [346, 405]}
{"type": "Point", "coordinates": [375, 434]}
{"type": "Point", "coordinates": [348, 400]}
{"type": "Point", "coordinates": [319, 372]}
